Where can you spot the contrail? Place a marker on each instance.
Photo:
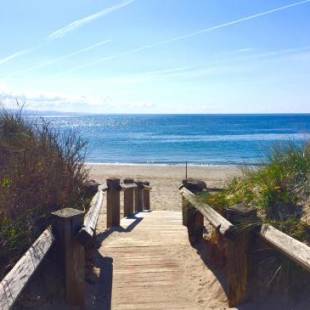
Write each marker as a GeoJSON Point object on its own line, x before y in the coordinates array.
{"type": "Point", "coordinates": [55, 60]}
{"type": "Point", "coordinates": [68, 28]}
{"type": "Point", "coordinates": [60, 33]}
{"type": "Point", "coordinates": [15, 55]}
{"type": "Point", "coordinates": [235, 22]}
{"type": "Point", "coordinates": [193, 34]}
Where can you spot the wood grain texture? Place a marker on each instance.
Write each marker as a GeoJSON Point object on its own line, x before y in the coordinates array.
{"type": "Point", "coordinates": [154, 267]}
{"type": "Point", "coordinates": [292, 248]}
{"type": "Point", "coordinates": [14, 282]}
{"type": "Point", "coordinates": [113, 202]}
{"type": "Point", "coordinates": [216, 220]}
{"type": "Point", "coordinates": [125, 186]}
{"type": "Point", "coordinates": [91, 217]}
{"type": "Point", "coordinates": [87, 232]}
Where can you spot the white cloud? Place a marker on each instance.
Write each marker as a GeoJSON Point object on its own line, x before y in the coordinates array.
{"type": "Point", "coordinates": [60, 33]}
{"type": "Point", "coordinates": [51, 101]}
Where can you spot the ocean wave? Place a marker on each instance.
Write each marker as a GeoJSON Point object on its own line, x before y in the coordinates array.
{"type": "Point", "coordinates": [140, 138]}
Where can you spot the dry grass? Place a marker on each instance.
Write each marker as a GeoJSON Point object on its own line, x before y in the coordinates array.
{"type": "Point", "coordinates": [41, 170]}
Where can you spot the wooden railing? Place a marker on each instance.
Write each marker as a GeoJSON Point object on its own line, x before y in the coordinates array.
{"type": "Point", "coordinates": [136, 199]}
{"type": "Point", "coordinates": [234, 232]}
{"type": "Point", "coordinates": [14, 282]}
{"type": "Point", "coordinates": [71, 232]}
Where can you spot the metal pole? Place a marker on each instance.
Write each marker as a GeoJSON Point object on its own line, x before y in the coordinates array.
{"type": "Point", "coordinates": [186, 170]}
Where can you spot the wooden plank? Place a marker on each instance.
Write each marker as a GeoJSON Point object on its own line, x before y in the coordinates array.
{"type": "Point", "coordinates": [15, 281]}
{"type": "Point", "coordinates": [103, 187]}
{"type": "Point", "coordinates": [154, 266]}
{"type": "Point", "coordinates": [128, 186]}
{"type": "Point", "coordinates": [216, 220]}
{"type": "Point", "coordinates": [292, 248]}
{"type": "Point", "coordinates": [147, 187]}
{"type": "Point", "coordinates": [91, 217]}
{"type": "Point", "coordinates": [87, 232]}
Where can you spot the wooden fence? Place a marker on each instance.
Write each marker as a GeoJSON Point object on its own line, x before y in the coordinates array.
{"type": "Point", "coordinates": [234, 232]}
{"type": "Point", "coordinates": [71, 232]}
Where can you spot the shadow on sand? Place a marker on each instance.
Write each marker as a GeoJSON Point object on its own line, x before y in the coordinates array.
{"type": "Point", "coordinates": [257, 300]}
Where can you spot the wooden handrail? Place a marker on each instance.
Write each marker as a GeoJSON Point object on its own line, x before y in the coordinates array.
{"type": "Point", "coordinates": [237, 245]}
{"type": "Point", "coordinates": [87, 232]}
{"type": "Point", "coordinates": [125, 186]}
{"type": "Point", "coordinates": [15, 281]}
{"type": "Point", "coordinates": [103, 187]}
{"type": "Point", "coordinates": [292, 248]}
{"type": "Point", "coordinates": [66, 223]}
{"type": "Point", "coordinates": [215, 219]}
{"type": "Point", "coordinates": [147, 187]}
{"type": "Point", "coordinates": [297, 251]}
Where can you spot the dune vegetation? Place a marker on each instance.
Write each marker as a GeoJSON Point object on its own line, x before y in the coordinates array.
{"type": "Point", "coordinates": [41, 170]}
{"type": "Point", "coordinates": [280, 190]}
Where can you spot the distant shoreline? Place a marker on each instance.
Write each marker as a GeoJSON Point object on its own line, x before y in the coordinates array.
{"type": "Point", "coordinates": [174, 164]}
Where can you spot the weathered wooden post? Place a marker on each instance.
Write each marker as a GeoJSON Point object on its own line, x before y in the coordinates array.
{"type": "Point", "coordinates": [192, 218]}
{"type": "Point", "coordinates": [66, 224]}
{"type": "Point", "coordinates": [139, 200]}
{"type": "Point", "coordinates": [146, 196]}
{"type": "Point", "coordinates": [113, 202]}
{"type": "Point", "coordinates": [129, 197]}
{"type": "Point", "coordinates": [238, 252]}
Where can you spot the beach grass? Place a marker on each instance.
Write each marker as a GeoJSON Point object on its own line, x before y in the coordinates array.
{"type": "Point", "coordinates": [41, 171]}
{"type": "Point", "coordinates": [279, 190]}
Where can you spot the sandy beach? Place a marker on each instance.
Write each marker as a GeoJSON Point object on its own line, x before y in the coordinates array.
{"type": "Point", "coordinates": [165, 180]}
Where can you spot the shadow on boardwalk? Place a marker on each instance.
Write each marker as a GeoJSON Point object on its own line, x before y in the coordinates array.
{"type": "Point", "coordinates": [104, 235]}
{"type": "Point", "coordinates": [258, 300]}
{"type": "Point", "coordinates": [100, 295]}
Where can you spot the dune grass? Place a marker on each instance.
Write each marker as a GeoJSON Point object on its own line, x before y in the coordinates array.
{"type": "Point", "coordinates": [41, 171]}
{"type": "Point", "coordinates": [279, 190]}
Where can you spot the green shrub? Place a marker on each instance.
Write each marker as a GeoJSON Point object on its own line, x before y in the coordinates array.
{"type": "Point", "coordinates": [278, 189]}
{"type": "Point", "coordinates": [41, 171]}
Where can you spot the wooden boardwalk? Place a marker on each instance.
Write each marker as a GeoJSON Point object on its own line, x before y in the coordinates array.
{"type": "Point", "coordinates": [148, 263]}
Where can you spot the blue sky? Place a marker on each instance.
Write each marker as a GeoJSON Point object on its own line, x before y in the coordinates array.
{"type": "Point", "coordinates": [156, 56]}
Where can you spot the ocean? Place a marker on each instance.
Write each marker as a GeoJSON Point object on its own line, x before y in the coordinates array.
{"type": "Point", "coordinates": [175, 139]}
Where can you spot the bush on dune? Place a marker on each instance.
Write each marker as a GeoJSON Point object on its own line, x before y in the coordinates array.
{"type": "Point", "coordinates": [279, 190]}
{"type": "Point", "coordinates": [41, 171]}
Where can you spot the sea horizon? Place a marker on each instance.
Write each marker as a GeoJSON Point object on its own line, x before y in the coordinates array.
{"type": "Point", "coordinates": [174, 139]}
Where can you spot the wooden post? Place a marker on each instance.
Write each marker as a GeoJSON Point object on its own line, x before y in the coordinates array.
{"type": "Point", "coordinates": [128, 198]}
{"type": "Point", "coordinates": [66, 224]}
{"type": "Point", "coordinates": [146, 196]}
{"type": "Point", "coordinates": [195, 225]}
{"type": "Point", "coordinates": [139, 200]}
{"type": "Point", "coordinates": [192, 218]}
{"type": "Point", "coordinates": [238, 253]}
{"type": "Point", "coordinates": [185, 206]}
{"type": "Point", "coordinates": [113, 202]}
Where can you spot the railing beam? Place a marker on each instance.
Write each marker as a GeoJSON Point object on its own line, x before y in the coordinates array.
{"type": "Point", "coordinates": [192, 218]}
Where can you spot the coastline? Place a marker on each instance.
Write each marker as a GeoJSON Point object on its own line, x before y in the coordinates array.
{"type": "Point", "coordinates": [164, 180]}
